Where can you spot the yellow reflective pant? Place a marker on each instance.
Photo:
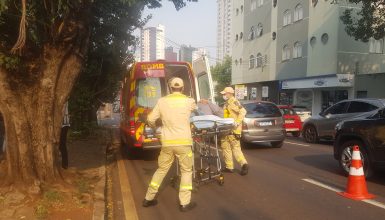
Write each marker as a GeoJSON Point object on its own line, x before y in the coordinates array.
{"type": "Point", "coordinates": [165, 160]}
{"type": "Point", "coordinates": [231, 145]}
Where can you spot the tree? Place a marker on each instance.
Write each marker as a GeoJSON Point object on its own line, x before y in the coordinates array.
{"type": "Point", "coordinates": [221, 73]}
{"type": "Point", "coordinates": [53, 40]}
{"type": "Point", "coordinates": [367, 22]}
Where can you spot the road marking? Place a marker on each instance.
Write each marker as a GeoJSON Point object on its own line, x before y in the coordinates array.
{"type": "Point", "coordinates": [315, 182]}
{"type": "Point", "coordinates": [334, 189]}
{"type": "Point", "coordinates": [305, 145]}
{"type": "Point", "coordinates": [130, 212]}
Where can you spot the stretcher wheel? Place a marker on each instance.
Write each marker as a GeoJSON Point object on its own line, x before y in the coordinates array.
{"type": "Point", "coordinates": [221, 180]}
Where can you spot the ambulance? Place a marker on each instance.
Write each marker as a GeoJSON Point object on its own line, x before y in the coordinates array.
{"type": "Point", "coordinates": [144, 84]}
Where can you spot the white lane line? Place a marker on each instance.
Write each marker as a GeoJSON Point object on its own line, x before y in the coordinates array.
{"type": "Point", "coordinates": [305, 145]}
{"type": "Point", "coordinates": [334, 189]}
{"type": "Point", "coordinates": [375, 203]}
{"type": "Point", "coordinates": [315, 182]}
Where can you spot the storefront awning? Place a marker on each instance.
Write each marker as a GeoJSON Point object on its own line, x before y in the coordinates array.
{"type": "Point", "coordinates": [335, 80]}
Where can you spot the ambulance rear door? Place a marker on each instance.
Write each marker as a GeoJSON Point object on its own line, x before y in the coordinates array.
{"type": "Point", "coordinates": [203, 79]}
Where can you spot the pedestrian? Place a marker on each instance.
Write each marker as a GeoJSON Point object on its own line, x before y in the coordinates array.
{"type": "Point", "coordinates": [63, 138]}
{"type": "Point", "coordinates": [174, 112]}
{"type": "Point", "coordinates": [231, 143]}
{"type": "Point", "coordinates": [209, 108]}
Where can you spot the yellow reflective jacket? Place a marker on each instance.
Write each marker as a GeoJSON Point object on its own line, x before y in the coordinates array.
{"type": "Point", "coordinates": [174, 110]}
{"type": "Point", "coordinates": [234, 109]}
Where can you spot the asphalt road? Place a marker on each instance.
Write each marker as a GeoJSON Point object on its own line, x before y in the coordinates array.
{"type": "Point", "coordinates": [273, 189]}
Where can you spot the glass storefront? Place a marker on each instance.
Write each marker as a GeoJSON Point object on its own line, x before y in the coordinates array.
{"type": "Point", "coordinates": [330, 98]}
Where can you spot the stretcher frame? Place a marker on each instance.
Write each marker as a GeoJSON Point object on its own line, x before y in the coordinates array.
{"type": "Point", "coordinates": [205, 148]}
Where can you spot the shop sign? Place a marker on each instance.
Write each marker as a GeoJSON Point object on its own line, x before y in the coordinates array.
{"type": "Point", "coordinates": [338, 80]}
{"type": "Point", "coordinates": [240, 91]}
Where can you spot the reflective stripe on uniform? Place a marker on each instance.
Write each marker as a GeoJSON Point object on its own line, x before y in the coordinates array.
{"type": "Point", "coordinates": [239, 159]}
{"type": "Point", "coordinates": [188, 187]}
{"type": "Point", "coordinates": [178, 141]}
{"type": "Point", "coordinates": [154, 185]}
{"type": "Point", "coordinates": [190, 154]}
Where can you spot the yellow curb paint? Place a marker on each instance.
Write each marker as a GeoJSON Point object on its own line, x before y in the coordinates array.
{"type": "Point", "coordinates": [125, 188]}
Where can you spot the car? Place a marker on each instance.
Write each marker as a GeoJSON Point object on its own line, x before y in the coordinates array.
{"type": "Point", "coordinates": [322, 125]}
{"type": "Point", "coordinates": [366, 132]}
{"type": "Point", "coordinates": [263, 123]}
{"type": "Point", "coordinates": [303, 112]}
{"type": "Point", "coordinates": [292, 123]}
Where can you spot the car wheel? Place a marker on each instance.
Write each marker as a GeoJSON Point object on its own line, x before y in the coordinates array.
{"type": "Point", "coordinates": [310, 134]}
{"type": "Point", "coordinates": [277, 144]}
{"type": "Point", "coordinates": [345, 159]}
{"type": "Point", "coordinates": [296, 134]}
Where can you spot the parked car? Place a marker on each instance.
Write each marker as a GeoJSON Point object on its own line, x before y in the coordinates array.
{"type": "Point", "coordinates": [292, 123]}
{"type": "Point", "coordinates": [369, 134]}
{"type": "Point", "coordinates": [322, 125]}
{"type": "Point", "coordinates": [263, 123]}
{"type": "Point", "coordinates": [303, 112]}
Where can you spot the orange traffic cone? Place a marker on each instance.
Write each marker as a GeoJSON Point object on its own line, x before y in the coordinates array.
{"type": "Point", "coordinates": [356, 187]}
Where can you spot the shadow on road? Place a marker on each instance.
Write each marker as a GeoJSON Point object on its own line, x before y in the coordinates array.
{"type": "Point", "coordinates": [324, 162]}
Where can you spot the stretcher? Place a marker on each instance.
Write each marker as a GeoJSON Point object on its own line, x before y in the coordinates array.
{"type": "Point", "coordinates": [206, 132]}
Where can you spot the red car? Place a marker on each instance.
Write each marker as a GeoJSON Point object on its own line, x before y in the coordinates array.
{"type": "Point", "coordinates": [293, 123]}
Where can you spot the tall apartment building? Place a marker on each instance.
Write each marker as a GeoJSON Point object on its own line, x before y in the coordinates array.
{"type": "Point", "coordinates": [186, 53]}
{"type": "Point", "coordinates": [152, 43]}
{"type": "Point", "coordinates": [170, 55]}
{"type": "Point", "coordinates": [297, 52]}
{"type": "Point", "coordinates": [224, 28]}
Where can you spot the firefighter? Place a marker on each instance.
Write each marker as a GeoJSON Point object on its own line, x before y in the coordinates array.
{"type": "Point", "coordinates": [174, 112]}
{"type": "Point", "coordinates": [231, 143]}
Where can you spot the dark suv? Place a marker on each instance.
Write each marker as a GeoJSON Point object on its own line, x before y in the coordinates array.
{"type": "Point", "coordinates": [366, 132]}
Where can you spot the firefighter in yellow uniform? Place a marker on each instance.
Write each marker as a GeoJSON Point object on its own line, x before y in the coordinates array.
{"type": "Point", "coordinates": [174, 111]}
{"type": "Point", "coordinates": [231, 143]}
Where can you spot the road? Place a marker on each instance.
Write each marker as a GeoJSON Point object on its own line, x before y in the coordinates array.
{"type": "Point", "coordinates": [277, 187]}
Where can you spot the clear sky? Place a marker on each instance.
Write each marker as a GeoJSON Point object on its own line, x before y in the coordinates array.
{"type": "Point", "coordinates": [195, 24]}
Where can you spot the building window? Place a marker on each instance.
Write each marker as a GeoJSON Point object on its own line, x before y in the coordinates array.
{"type": "Point", "coordinates": [240, 61]}
{"type": "Point", "coordinates": [252, 62]}
{"type": "Point", "coordinates": [376, 46]}
{"type": "Point", "coordinates": [297, 50]}
{"type": "Point", "coordinates": [253, 5]}
{"type": "Point", "coordinates": [241, 35]}
{"type": "Point", "coordinates": [314, 2]}
{"type": "Point", "coordinates": [285, 52]}
{"type": "Point", "coordinates": [237, 11]}
{"type": "Point", "coordinates": [259, 60]}
{"type": "Point", "coordinates": [274, 3]}
{"type": "Point", "coordinates": [241, 8]}
{"type": "Point", "coordinates": [259, 30]}
{"type": "Point", "coordinates": [325, 38]}
{"type": "Point", "coordinates": [259, 3]}
{"type": "Point", "coordinates": [286, 18]}
{"type": "Point", "coordinates": [298, 12]}
{"type": "Point", "coordinates": [236, 37]}
{"type": "Point", "coordinates": [313, 40]}
{"type": "Point", "coordinates": [236, 62]}
{"type": "Point", "coordinates": [252, 33]}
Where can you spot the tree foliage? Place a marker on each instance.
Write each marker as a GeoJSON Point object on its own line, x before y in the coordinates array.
{"type": "Point", "coordinates": [221, 74]}
{"type": "Point", "coordinates": [367, 22]}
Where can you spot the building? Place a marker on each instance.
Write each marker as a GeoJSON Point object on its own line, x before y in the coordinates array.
{"type": "Point", "coordinates": [152, 43]}
{"type": "Point", "coordinates": [297, 52]}
{"type": "Point", "coordinates": [170, 55]}
{"type": "Point", "coordinates": [185, 53]}
{"type": "Point", "coordinates": [199, 52]}
{"type": "Point", "coordinates": [224, 28]}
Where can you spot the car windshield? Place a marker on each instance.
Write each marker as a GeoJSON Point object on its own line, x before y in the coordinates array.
{"type": "Point", "coordinates": [261, 110]}
{"type": "Point", "coordinates": [287, 111]}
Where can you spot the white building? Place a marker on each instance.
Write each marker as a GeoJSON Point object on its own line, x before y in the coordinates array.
{"type": "Point", "coordinates": [224, 28]}
{"type": "Point", "coordinates": [152, 43]}
{"type": "Point", "coordinates": [198, 53]}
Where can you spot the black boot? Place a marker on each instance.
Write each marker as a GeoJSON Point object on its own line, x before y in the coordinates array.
{"type": "Point", "coordinates": [148, 203]}
{"type": "Point", "coordinates": [188, 207]}
{"type": "Point", "coordinates": [245, 169]}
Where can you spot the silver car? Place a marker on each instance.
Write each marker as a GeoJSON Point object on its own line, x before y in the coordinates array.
{"type": "Point", "coordinates": [323, 125]}
{"type": "Point", "coordinates": [263, 123]}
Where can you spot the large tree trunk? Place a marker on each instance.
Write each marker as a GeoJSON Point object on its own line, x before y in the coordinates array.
{"type": "Point", "coordinates": [33, 113]}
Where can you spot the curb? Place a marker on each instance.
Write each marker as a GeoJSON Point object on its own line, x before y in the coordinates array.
{"type": "Point", "coordinates": [99, 210]}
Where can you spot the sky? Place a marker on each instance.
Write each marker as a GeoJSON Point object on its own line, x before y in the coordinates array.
{"type": "Point", "coordinates": [194, 25]}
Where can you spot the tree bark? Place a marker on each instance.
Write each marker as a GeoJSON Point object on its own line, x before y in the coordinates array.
{"type": "Point", "coordinates": [33, 116]}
